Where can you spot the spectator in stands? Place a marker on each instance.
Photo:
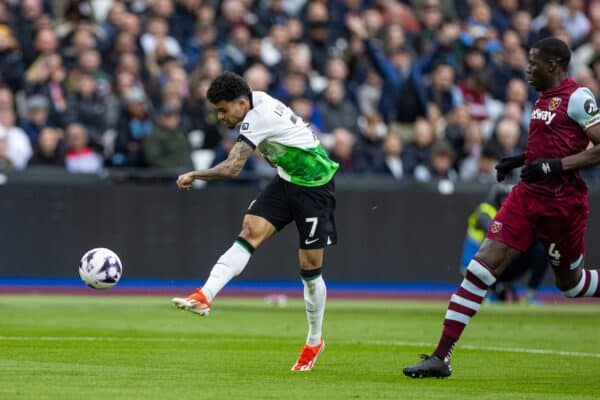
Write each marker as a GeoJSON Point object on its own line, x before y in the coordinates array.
{"type": "Point", "coordinates": [36, 117]}
{"type": "Point", "coordinates": [18, 147]}
{"type": "Point", "coordinates": [418, 150]}
{"type": "Point", "coordinates": [370, 146]}
{"type": "Point", "coordinates": [258, 77]}
{"type": "Point", "coordinates": [521, 22]}
{"type": "Point", "coordinates": [110, 26]}
{"type": "Point", "coordinates": [575, 21]}
{"type": "Point", "coordinates": [135, 123]}
{"type": "Point", "coordinates": [80, 39]}
{"type": "Point", "coordinates": [26, 17]}
{"type": "Point", "coordinates": [89, 63]}
{"type": "Point", "coordinates": [293, 85]}
{"type": "Point", "coordinates": [369, 92]}
{"type": "Point", "coordinates": [157, 34]}
{"type": "Point", "coordinates": [344, 152]}
{"type": "Point", "coordinates": [431, 18]}
{"type": "Point", "coordinates": [47, 151]}
{"type": "Point", "coordinates": [80, 157]}
{"type": "Point", "coordinates": [87, 108]}
{"type": "Point", "coordinates": [480, 169]}
{"type": "Point", "coordinates": [471, 147]}
{"type": "Point", "coordinates": [391, 163]}
{"type": "Point", "coordinates": [49, 82]}
{"type": "Point", "coordinates": [476, 96]}
{"type": "Point", "coordinates": [512, 67]}
{"type": "Point", "coordinates": [11, 59]}
{"type": "Point", "coordinates": [124, 43]}
{"type": "Point", "coordinates": [317, 35]}
{"type": "Point", "coordinates": [440, 165]}
{"type": "Point", "coordinates": [308, 111]}
{"type": "Point", "coordinates": [184, 19]}
{"type": "Point", "coordinates": [502, 13]}
{"type": "Point", "coordinates": [507, 136]}
{"type": "Point", "coordinates": [405, 99]}
{"type": "Point", "coordinates": [205, 38]}
{"type": "Point", "coordinates": [336, 110]}
{"type": "Point", "coordinates": [204, 116]}
{"type": "Point", "coordinates": [167, 146]}
{"type": "Point", "coordinates": [443, 92]}
{"type": "Point", "coordinates": [274, 46]}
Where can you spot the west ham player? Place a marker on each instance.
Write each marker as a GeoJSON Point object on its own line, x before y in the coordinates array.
{"type": "Point", "coordinates": [550, 202]}
{"type": "Point", "coordinates": [302, 192]}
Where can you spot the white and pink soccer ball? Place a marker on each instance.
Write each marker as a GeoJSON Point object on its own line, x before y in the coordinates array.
{"type": "Point", "coordinates": [100, 268]}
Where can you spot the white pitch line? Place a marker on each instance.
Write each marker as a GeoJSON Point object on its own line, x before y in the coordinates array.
{"type": "Point", "coordinates": [484, 348]}
{"type": "Point", "coordinates": [240, 340]}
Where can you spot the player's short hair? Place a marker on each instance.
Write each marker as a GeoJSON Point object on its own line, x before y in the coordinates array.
{"type": "Point", "coordinates": [554, 49]}
{"type": "Point", "coordinates": [228, 86]}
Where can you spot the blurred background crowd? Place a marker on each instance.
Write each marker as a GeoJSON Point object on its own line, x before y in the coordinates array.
{"type": "Point", "coordinates": [414, 89]}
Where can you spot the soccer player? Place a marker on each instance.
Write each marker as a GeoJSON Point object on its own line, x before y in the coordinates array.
{"type": "Point", "coordinates": [550, 202]}
{"type": "Point", "coordinates": [303, 191]}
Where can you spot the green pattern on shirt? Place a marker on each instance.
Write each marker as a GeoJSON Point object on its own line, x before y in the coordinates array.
{"type": "Point", "coordinates": [306, 167]}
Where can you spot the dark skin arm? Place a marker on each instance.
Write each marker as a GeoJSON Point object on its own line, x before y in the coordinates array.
{"type": "Point", "coordinates": [587, 157]}
{"type": "Point", "coordinates": [230, 168]}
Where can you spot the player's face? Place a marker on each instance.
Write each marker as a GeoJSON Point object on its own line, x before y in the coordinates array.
{"type": "Point", "coordinates": [537, 71]}
{"type": "Point", "coordinates": [232, 112]}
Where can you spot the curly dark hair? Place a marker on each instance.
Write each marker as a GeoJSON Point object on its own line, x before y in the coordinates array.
{"type": "Point", "coordinates": [228, 86]}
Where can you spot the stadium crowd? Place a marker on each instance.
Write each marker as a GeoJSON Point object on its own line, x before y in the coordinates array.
{"type": "Point", "coordinates": [415, 89]}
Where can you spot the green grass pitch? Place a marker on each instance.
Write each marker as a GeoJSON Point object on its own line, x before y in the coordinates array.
{"type": "Point", "coordinates": [109, 347]}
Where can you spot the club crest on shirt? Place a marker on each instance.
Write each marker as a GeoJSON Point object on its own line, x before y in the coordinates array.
{"type": "Point", "coordinates": [496, 226]}
{"type": "Point", "coordinates": [245, 126]}
{"type": "Point", "coordinates": [554, 103]}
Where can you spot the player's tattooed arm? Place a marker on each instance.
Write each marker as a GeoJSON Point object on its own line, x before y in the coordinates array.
{"type": "Point", "coordinates": [230, 168]}
{"type": "Point", "coordinates": [586, 158]}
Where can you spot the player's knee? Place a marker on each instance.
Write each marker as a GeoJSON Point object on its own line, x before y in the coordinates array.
{"type": "Point", "coordinates": [572, 288]}
{"type": "Point", "coordinates": [252, 233]}
{"type": "Point", "coordinates": [481, 272]}
{"type": "Point", "coordinates": [311, 259]}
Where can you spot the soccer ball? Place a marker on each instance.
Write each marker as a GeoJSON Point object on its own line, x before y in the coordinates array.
{"type": "Point", "coordinates": [100, 268]}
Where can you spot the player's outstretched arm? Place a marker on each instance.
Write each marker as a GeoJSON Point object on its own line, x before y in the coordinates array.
{"type": "Point", "coordinates": [543, 168]}
{"type": "Point", "coordinates": [230, 168]}
{"type": "Point", "coordinates": [586, 158]}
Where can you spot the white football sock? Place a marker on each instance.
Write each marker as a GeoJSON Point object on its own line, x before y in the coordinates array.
{"type": "Point", "coordinates": [230, 265]}
{"type": "Point", "coordinates": [315, 295]}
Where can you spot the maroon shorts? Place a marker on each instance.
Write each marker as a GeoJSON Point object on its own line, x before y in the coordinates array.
{"type": "Point", "coordinates": [558, 223]}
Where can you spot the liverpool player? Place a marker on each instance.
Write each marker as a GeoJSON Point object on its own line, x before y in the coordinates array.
{"type": "Point", "coordinates": [302, 192]}
{"type": "Point", "coordinates": [550, 202]}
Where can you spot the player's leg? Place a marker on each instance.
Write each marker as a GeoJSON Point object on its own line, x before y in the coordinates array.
{"type": "Point", "coordinates": [563, 240]}
{"type": "Point", "coordinates": [314, 215]}
{"type": "Point", "coordinates": [315, 296]}
{"type": "Point", "coordinates": [265, 216]}
{"type": "Point", "coordinates": [255, 230]}
{"type": "Point", "coordinates": [510, 234]}
{"type": "Point", "coordinates": [490, 261]}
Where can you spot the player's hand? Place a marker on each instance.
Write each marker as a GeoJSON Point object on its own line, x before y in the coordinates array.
{"type": "Point", "coordinates": [541, 169]}
{"type": "Point", "coordinates": [507, 164]}
{"type": "Point", "coordinates": [185, 181]}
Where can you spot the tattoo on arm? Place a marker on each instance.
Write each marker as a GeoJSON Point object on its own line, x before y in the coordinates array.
{"type": "Point", "coordinates": [231, 167]}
